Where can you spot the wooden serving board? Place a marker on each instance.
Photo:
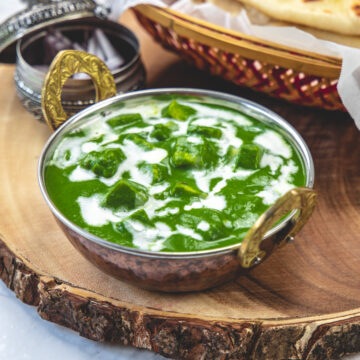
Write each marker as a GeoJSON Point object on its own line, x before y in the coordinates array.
{"type": "Point", "coordinates": [302, 303]}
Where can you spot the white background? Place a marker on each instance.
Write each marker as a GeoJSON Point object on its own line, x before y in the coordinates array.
{"type": "Point", "coordinates": [25, 336]}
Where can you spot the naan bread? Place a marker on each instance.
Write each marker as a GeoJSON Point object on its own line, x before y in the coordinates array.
{"type": "Point", "coordinates": [340, 16]}
{"type": "Point", "coordinates": [259, 18]}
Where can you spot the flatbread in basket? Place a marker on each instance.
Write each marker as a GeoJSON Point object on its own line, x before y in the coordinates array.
{"type": "Point", "coordinates": [333, 20]}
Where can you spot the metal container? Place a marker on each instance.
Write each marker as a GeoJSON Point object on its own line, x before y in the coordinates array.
{"type": "Point", "coordinates": [23, 34]}
{"type": "Point", "coordinates": [187, 271]}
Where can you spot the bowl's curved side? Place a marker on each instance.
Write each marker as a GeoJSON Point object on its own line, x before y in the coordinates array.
{"type": "Point", "coordinates": [164, 274]}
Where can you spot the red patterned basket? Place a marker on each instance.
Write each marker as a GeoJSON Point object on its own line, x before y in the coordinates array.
{"type": "Point", "coordinates": [301, 77]}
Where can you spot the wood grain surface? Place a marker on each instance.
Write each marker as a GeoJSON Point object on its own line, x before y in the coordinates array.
{"type": "Point", "coordinates": [302, 303]}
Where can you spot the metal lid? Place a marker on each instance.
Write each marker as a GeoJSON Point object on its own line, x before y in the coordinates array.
{"type": "Point", "coordinates": [40, 14]}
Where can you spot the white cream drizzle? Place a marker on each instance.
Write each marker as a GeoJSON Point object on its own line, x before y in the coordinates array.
{"type": "Point", "coordinates": [213, 201]}
{"type": "Point", "coordinates": [182, 128]}
{"type": "Point", "coordinates": [70, 145]}
{"type": "Point", "coordinates": [245, 221]}
{"type": "Point", "coordinates": [93, 213]}
{"type": "Point", "coordinates": [205, 121]}
{"type": "Point", "coordinates": [279, 186]}
{"type": "Point", "coordinates": [218, 113]}
{"type": "Point", "coordinates": [228, 138]}
{"type": "Point", "coordinates": [203, 179]}
{"type": "Point", "coordinates": [96, 215]}
{"type": "Point", "coordinates": [150, 239]}
{"type": "Point", "coordinates": [194, 140]}
{"type": "Point", "coordinates": [159, 188]}
{"type": "Point", "coordinates": [89, 146]}
{"type": "Point", "coordinates": [274, 143]}
{"type": "Point", "coordinates": [189, 232]}
{"type": "Point", "coordinates": [203, 225]}
{"type": "Point", "coordinates": [77, 147]}
{"type": "Point", "coordinates": [271, 160]}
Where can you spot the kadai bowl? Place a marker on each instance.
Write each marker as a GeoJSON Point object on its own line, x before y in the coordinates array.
{"type": "Point", "coordinates": [177, 189]}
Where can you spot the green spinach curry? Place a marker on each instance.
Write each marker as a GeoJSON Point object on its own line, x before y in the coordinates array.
{"type": "Point", "coordinates": [171, 174]}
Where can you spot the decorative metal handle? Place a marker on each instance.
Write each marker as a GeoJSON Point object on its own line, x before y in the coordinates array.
{"type": "Point", "coordinates": [302, 199]}
{"type": "Point", "coordinates": [65, 64]}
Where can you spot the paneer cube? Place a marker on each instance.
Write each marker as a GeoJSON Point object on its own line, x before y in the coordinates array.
{"type": "Point", "coordinates": [249, 156]}
{"type": "Point", "coordinates": [182, 189]}
{"type": "Point", "coordinates": [158, 172]}
{"type": "Point", "coordinates": [126, 194]}
{"type": "Point", "coordinates": [136, 139]}
{"type": "Point", "coordinates": [206, 131]}
{"type": "Point", "coordinates": [177, 111]}
{"type": "Point", "coordinates": [188, 154]}
{"type": "Point", "coordinates": [161, 132]}
{"type": "Point", "coordinates": [124, 119]}
{"type": "Point", "coordinates": [103, 163]}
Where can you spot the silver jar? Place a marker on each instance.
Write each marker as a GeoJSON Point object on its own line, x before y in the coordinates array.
{"type": "Point", "coordinates": [24, 34]}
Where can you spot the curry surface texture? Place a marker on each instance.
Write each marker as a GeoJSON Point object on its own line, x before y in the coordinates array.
{"type": "Point", "coordinates": [171, 173]}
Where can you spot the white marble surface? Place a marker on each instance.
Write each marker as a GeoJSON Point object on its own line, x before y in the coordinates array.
{"type": "Point", "coordinates": [25, 336]}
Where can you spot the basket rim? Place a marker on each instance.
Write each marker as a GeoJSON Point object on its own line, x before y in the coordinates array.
{"type": "Point", "coordinates": [244, 45]}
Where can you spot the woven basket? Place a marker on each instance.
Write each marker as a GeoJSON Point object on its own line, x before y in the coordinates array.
{"type": "Point", "coordinates": [298, 76]}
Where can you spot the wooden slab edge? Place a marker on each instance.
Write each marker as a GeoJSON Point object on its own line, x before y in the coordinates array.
{"type": "Point", "coordinates": [179, 337]}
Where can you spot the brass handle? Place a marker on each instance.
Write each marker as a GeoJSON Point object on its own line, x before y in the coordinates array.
{"type": "Point", "coordinates": [302, 199]}
{"type": "Point", "coordinates": [65, 64]}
